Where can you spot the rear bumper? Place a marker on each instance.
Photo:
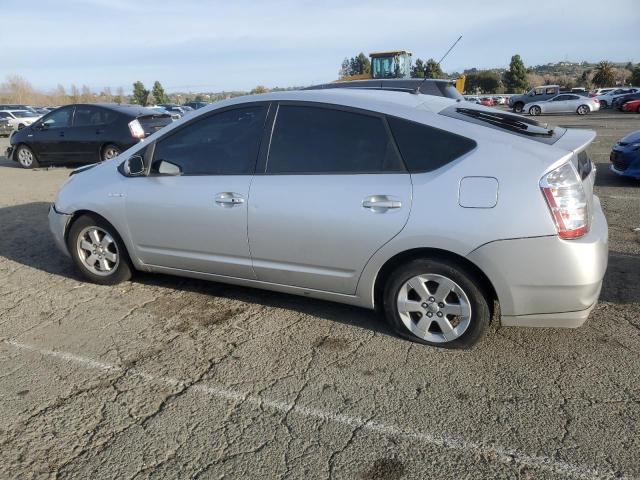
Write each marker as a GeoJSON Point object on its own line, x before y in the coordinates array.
{"type": "Point", "coordinates": [547, 281]}
{"type": "Point", "coordinates": [58, 224]}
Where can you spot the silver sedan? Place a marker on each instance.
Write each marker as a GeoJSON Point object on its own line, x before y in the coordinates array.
{"type": "Point", "coordinates": [563, 103]}
{"type": "Point", "coordinates": [433, 210]}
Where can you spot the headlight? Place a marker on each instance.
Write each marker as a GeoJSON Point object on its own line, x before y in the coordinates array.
{"type": "Point", "coordinates": [636, 145]}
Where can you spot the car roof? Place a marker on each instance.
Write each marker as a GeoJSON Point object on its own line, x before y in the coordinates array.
{"type": "Point", "coordinates": [374, 100]}
{"type": "Point", "coordinates": [134, 110]}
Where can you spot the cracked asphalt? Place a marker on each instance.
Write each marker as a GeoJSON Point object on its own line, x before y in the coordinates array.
{"type": "Point", "coordinates": [164, 377]}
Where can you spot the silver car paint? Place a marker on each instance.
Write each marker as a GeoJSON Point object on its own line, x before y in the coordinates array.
{"type": "Point", "coordinates": [551, 106]}
{"type": "Point", "coordinates": [346, 271]}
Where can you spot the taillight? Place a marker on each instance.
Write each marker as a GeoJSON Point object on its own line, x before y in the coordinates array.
{"type": "Point", "coordinates": [596, 100]}
{"type": "Point", "coordinates": [136, 129]}
{"type": "Point", "coordinates": [563, 191]}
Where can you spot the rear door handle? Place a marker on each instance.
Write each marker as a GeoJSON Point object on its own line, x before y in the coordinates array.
{"type": "Point", "coordinates": [229, 199]}
{"type": "Point", "coordinates": [381, 203]}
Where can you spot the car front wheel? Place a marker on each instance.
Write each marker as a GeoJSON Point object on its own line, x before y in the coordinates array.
{"type": "Point", "coordinates": [535, 110]}
{"type": "Point", "coordinates": [436, 303]}
{"type": "Point", "coordinates": [98, 251]}
{"type": "Point", "coordinates": [25, 156]}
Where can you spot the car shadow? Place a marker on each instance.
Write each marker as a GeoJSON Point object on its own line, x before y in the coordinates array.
{"type": "Point", "coordinates": [606, 178]}
{"type": "Point", "coordinates": [26, 240]}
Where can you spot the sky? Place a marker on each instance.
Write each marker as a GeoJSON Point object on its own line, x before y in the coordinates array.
{"type": "Point", "coordinates": [197, 45]}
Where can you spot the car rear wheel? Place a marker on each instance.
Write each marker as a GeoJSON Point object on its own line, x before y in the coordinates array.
{"type": "Point", "coordinates": [583, 110]}
{"type": "Point", "coordinates": [436, 303]}
{"type": "Point", "coordinates": [518, 107]}
{"type": "Point", "coordinates": [535, 110]}
{"type": "Point", "coordinates": [109, 151]}
{"type": "Point", "coordinates": [603, 104]}
{"type": "Point", "coordinates": [98, 251]}
{"type": "Point", "coordinates": [26, 157]}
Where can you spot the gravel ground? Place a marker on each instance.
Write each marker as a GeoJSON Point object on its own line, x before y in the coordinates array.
{"type": "Point", "coordinates": [164, 377]}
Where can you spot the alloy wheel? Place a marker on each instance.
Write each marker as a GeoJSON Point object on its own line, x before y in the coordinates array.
{"type": "Point", "coordinates": [110, 152]}
{"type": "Point", "coordinates": [98, 251]}
{"type": "Point", "coordinates": [25, 157]}
{"type": "Point", "coordinates": [434, 308]}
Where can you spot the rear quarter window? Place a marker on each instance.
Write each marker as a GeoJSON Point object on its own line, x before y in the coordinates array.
{"type": "Point", "coordinates": [426, 148]}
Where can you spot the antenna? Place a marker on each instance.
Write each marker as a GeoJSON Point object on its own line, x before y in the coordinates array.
{"type": "Point", "coordinates": [450, 48]}
{"type": "Point", "coordinates": [417, 90]}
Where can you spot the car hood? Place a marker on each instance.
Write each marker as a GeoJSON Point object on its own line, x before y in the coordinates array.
{"type": "Point", "coordinates": [633, 137]}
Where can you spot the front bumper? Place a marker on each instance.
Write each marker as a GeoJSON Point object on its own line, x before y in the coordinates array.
{"type": "Point", "coordinates": [547, 281]}
{"type": "Point", "coordinates": [58, 225]}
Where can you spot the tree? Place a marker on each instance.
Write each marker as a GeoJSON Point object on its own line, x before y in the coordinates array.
{"type": "Point", "coordinates": [18, 89]}
{"type": "Point", "coordinates": [86, 96]}
{"type": "Point", "coordinates": [417, 71]}
{"type": "Point", "coordinates": [259, 89]}
{"type": "Point", "coordinates": [345, 68]}
{"type": "Point", "coordinates": [74, 93]}
{"type": "Point", "coordinates": [158, 93]}
{"type": "Point", "coordinates": [635, 75]}
{"type": "Point", "coordinates": [364, 65]}
{"type": "Point", "coordinates": [604, 76]}
{"type": "Point", "coordinates": [140, 94]}
{"type": "Point", "coordinates": [515, 79]}
{"type": "Point", "coordinates": [629, 66]}
{"type": "Point", "coordinates": [432, 69]}
{"type": "Point", "coordinates": [485, 81]}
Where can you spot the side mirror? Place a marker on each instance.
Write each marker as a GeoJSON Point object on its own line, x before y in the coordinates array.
{"type": "Point", "coordinates": [168, 168]}
{"type": "Point", "coordinates": [134, 166]}
{"type": "Point", "coordinates": [41, 126]}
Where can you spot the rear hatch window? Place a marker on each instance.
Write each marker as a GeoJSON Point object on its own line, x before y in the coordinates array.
{"type": "Point", "coordinates": [509, 122]}
{"type": "Point", "coordinates": [152, 123]}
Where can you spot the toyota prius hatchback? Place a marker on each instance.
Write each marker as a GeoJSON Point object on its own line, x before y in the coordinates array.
{"type": "Point", "coordinates": [434, 211]}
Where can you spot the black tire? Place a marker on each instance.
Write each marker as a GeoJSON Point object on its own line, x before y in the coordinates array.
{"type": "Point", "coordinates": [638, 110]}
{"type": "Point", "coordinates": [25, 157]}
{"type": "Point", "coordinates": [121, 270]}
{"type": "Point", "coordinates": [480, 314]}
{"type": "Point", "coordinates": [107, 152]}
{"type": "Point", "coordinates": [583, 110]}
{"type": "Point", "coordinates": [517, 107]}
{"type": "Point", "coordinates": [535, 110]}
{"type": "Point", "coordinates": [20, 126]}
{"type": "Point", "coordinates": [603, 104]}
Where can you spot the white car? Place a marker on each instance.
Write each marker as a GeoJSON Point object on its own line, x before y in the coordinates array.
{"type": "Point", "coordinates": [19, 118]}
{"type": "Point", "coordinates": [606, 99]}
{"type": "Point", "coordinates": [565, 102]}
{"type": "Point", "coordinates": [601, 91]}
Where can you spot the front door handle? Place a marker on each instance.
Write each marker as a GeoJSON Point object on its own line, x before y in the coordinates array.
{"type": "Point", "coordinates": [229, 199]}
{"type": "Point", "coordinates": [381, 203]}
{"type": "Point", "coordinates": [62, 134]}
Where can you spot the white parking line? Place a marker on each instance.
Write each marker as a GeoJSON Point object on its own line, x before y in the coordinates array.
{"type": "Point", "coordinates": [506, 455]}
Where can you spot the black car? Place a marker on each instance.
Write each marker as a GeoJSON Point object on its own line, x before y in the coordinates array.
{"type": "Point", "coordinates": [84, 133]}
{"type": "Point", "coordinates": [622, 99]}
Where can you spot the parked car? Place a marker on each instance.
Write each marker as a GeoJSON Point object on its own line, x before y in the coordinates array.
{"type": "Point", "coordinates": [196, 105]}
{"type": "Point", "coordinates": [625, 156]}
{"type": "Point", "coordinates": [607, 99]}
{"type": "Point", "coordinates": [174, 109]}
{"type": "Point", "coordinates": [14, 106]}
{"type": "Point", "coordinates": [84, 133]}
{"type": "Point", "coordinates": [19, 119]}
{"type": "Point", "coordinates": [566, 102]}
{"type": "Point", "coordinates": [618, 102]}
{"type": "Point", "coordinates": [158, 109]}
{"type": "Point", "coordinates": [41, 110]}
{"type": "Point", "coordinates": [537, 94]}
{"type": "Point", "coordinates": [486, 101]}
{"type": "Point", "coordinates": [600, 91]}
{"type": "Point", "coordinates": [5, 127]}
{"type": "Point", "coordinates": [499, 100]}
{"type": "Point", "coordinates": [475, 100]}
{"type": "Point", "coordinates": [341, 207]}
{"type": "Point", "coordinates": [632, 106]}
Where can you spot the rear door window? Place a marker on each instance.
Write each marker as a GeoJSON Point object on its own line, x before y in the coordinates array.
{"type": "Point", "coordinates": [426, 148]}
{"type": "Point", "coordinates": [92, 116]}
{"type": "Point", "coordinates": [324, 140]}
{"type": "Point", "coordinates": [224, 143]}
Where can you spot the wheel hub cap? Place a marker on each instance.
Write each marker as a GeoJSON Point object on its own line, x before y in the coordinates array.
{"type": "Point", "coordinates": [434, 308]}
{"type": "Point", "coordinates": [98, 251]}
